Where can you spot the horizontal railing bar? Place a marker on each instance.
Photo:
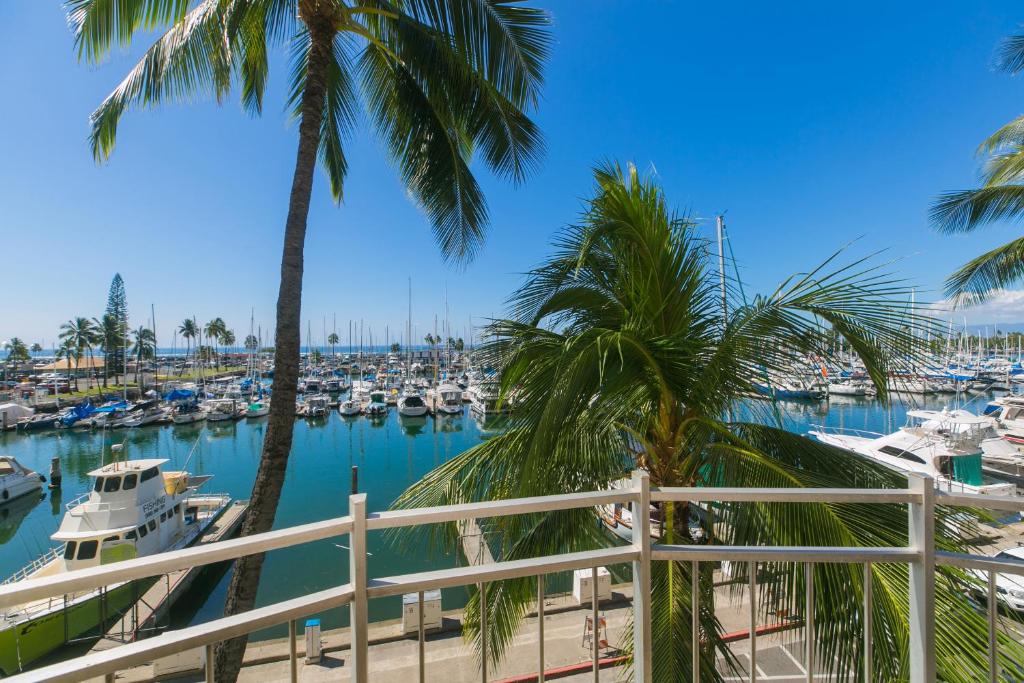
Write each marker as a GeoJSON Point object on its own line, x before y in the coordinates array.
{"type": "Point", "coordinates": [979, 562]}
{"type": "Point", "coordinates": [172, 642]}
{"type": "Point", "coordinates": [783, 495]}
{"type": "Point", "coordinates": [499, 508]}
{"type": "Point", "coordinates": [497, 571]}
{"type": "Point", "coordinates": [840, 554]}
{"type": "Point", "coordinates": [152, 565]}
{"type": "Point", "coordinates": [977, 500]}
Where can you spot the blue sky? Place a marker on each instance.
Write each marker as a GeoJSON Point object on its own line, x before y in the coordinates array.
{"type": "Point", "coordinates": [812, 124]}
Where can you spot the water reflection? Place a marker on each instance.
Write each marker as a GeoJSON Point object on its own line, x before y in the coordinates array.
{"type": "Point", "coordinates": [13, 513]}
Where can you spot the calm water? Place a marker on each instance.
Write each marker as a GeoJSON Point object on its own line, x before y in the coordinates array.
{"type": "Point", "coordinates": [390, 455]}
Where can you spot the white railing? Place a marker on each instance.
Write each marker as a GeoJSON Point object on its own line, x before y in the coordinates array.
{"type": "Point", "coordinates": [36, 564]}
{"type": "Point", "coordinates": [920, 498]}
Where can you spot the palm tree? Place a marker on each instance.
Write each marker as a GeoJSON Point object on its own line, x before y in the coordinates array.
{"type": "Point", "coordinates": [396, 347]}
{"type": "Point", "coordinates": [214, 331]}
{"type": "Point", "coordinates": [333, 339]}
{"type": "Point", "coordinates": [17, 351]}
{"type": "Point", "coordinates": [440, 79]}
{"type": "Point", "coordinates": [143, 349]}
{"type": "Point", "coordinates": [228, 340]}
{"type": "Point", "coordinates": [67, 350]}
{"type": "Point", "coordinates": [1000, 196]}
{"type": "Point", "coordinates": [619, 345]}
{"type": "Point", "coordinates": [36, 348]}
{"type": "Point", "coordinates": [81, 334]}
{"type": "Point", "coordinates": [112, 338]}
{"type": "Point", "coordinates": [188, 331]}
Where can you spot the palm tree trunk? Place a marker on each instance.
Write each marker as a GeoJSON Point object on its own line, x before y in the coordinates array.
{"type": "Point", "coordinates": [266, 491]}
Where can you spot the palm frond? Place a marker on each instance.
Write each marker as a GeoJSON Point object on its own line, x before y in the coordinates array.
{"type": "Point", "coordinates": [192, 57]}
{"type": "Point", "coordinates": [978, 278]}
{"type": "Point", "coordinates": [98, 25]}
{"type": "Point", "coordinates": [1010, 55]}
{"type": "Point", "coordinates": [966, 210]}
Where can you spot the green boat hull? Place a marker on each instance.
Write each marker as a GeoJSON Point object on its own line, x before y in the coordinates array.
{"type": "Point", "coordinates": [26, 642]}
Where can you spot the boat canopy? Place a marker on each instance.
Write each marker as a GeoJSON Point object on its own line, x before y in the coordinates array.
{"type": "Point", "coordinates": [956, 417]}
{"type": "Point", "coordinates": [179, 395]}
{"type": "Point", "coordinates": [112, 407]}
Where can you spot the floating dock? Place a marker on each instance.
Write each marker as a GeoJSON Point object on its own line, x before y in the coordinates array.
{"type": "Point", "coordinates": [155, 603]}
{"type": "Point", "coordinates": [474, 543]}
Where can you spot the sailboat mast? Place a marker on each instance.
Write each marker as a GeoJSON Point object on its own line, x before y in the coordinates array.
{"type": "Point", "coordinates": [720, 225]}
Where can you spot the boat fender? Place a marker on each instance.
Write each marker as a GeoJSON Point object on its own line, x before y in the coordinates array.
{"type": "Point", "coordinates": [5, 495]}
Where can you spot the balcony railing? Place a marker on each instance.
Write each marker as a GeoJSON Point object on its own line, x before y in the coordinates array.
{"type": "Point", "coordinates": [921, 499]}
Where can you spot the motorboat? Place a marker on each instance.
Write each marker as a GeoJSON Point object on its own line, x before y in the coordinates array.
{"type": "Point", "coordinates": [487, 399]}
{"type": "Point", "coordinates": [318, 406]}
{"type": "Point", "coordinates": [150, 412]}
{"type": "Point", "coordinates": [376, 406]}
{"type": "Point", "coordinates": [448, 399]}
{"type": "Point", "coordinates": [223, 409]}
{"type": "Point", "coordinates": [38, 422]}
{"type": "Point", "coordinates": [16, 480]}
{"type": "Point", "coordinates": [412, 405]}
{"type": "Point", "coordinates": [187, 413]}
{"type": "Point", "coordinates": [258, 408]}
{"type": "Point", "coordinates": [349, 408]}
{"type": "Point", "coordinates": [946, 445]}
{"type": "Point", "coordinates": [134, 509]}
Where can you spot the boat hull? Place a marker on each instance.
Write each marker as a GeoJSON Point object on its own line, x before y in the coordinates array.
{"type": "Point", "coordinates": [24, 643]}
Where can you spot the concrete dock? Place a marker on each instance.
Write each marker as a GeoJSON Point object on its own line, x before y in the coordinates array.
{"type": "Point", "coordinates": [153, 605]}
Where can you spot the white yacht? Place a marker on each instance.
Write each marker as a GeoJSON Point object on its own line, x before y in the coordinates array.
{"type": "Point", "coordinates": [486, 399]}
{"type": "Point", "coordinates": [134, 509]}
{"type": "Point", "coordinates": [946, 445]}
{"type": "Point", "coordinates": [16, 480]}
{"type": "Point", "coordinates": [412, 404]}
{"type": "Point", "coordinates": [258, 408]}
{"type": "Point", "coordinates": [187, 412]}
{"type": "Point", "coordinates": [376, 406]}
{"type": "Point", "coordinates": [317, 406]}
{"type": "Point", "coordinates": [448, 399]}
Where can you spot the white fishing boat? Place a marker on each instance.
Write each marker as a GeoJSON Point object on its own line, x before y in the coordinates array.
{"type": "Point", "coordinates": [412, 405]}
{"type": "Point", "coordinates": [376, 406]}
{"type": "Point", "coordinates": [947, 445]}
{"type": "Point", "coordinates": [134, 509]}
{"type": "Point", "coordinates": [16, 480]}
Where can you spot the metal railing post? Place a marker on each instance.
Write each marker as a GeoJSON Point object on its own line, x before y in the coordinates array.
{"type": "Point", "coordinates": [869, 657]}
{"type": "Point", "coordinates": [642, 578]}
{"type": "Point", "coordinates": [695, 620]}
{"type": "Point", "coordinates": [922, 580]}
{"type": "Point", "coordinates": [596, 616]}
{"type": "Point", "coordinates": [993, 614]}
{"type": "Point", "coordinates": [483, 633]}
{"type": "Point", "coordinates": [209, 664]}
{"type": "Point", "coordinates": [293, 654]}
{"type": "Point", "coordinates": [357, 578]}
{"type": "Point", "coordinates": [809, 637]}
{"type": "Point", "coordinates": [540, 628]}
{"type": "Point", "coordinates": [753, 621]}
{"type": "Point", "coordinates": [422, 640]}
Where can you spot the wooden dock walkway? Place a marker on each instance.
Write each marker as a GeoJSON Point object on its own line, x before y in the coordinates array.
{"type": "Point", "coordinates": [155, 603]}
{"type": "Point", "coordinates": [474, 544]}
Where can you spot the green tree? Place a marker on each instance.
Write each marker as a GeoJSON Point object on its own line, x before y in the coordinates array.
{"type": "Point", "coordinates": [618, 345]}
{"type": "Point", "coordinates": [1000, 196]}
{"type": "Point", "coordinates": [214, 332]}
{"type": "Point", "coordinates": [251, 342]}
{"type": "Point", "coordinates": [441, 80]}
{"type": "Point", "coordinates": [396, 347]}
{"type": "Point", "coordinates": [36, 348]}
{"type": "Point", "coordinates": [117, 309]}
{"type": "Point", "coordinates": [112, 343]}
{"type": "Point", "coordinates": [17, 351]}
{"type": "Point", "coordinates": [228, 340]}
{"type": "Point", "coordinates": [68, 351]}
{"type": "Point", "coordinates": [82, 335]}
{"type": "Point", "coordinates": [333, 339]}
{"type": "Point", "coordinates": [460, 345]}
{"type": "Point", "coordinates": [188, 331]}
{"type": "Point", "coordinates": [144, 348]}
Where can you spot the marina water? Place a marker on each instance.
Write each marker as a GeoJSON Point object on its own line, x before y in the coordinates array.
{"type": "Point", "coordinates": [390, 454]}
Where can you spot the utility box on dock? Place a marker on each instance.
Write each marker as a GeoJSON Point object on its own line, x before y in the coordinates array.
{"type": "Point", "coordinates": [314, 646]}
{"type": "Point", "coordinates": [411, 613]}
{"type": "Point", "coordinates": [583, 586]}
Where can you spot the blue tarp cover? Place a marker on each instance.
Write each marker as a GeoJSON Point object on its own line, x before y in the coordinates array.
{"type": "Point", "coordinates": [179, 395]}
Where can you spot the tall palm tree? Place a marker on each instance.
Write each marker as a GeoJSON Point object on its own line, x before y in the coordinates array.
{"type": "Point", "coordinates": [227, 339]}
{"type": "Point", "coordinates": [333, 339]}
{"type": "Point", "coordinates": [188, 331]}
{"type": "Point", "coordinates": [621, 356]}
{"type": "Point", "coordinates": [16, 349]}
{"type": "Point", "coordinates": [214, 331]}
{"type": "Point", "coordinates": [441, 79]}
{"type": "Point", "coordinates": [111, 338]}
{"type": "Point", "coordinates": [36, 348]}
{"type": "Point", "coordinates": [144, 348]}
{"type": "Point", "coordinates": [1000, 196]}
{"type": "Point", "coordinates": [81, 335]}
